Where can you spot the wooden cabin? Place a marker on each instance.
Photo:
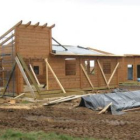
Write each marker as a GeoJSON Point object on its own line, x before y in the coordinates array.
{"type": "Point", "coordinates": [76, 67]}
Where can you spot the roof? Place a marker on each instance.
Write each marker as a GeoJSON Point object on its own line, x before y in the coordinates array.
{"type": "Point", "coordinates": [78, 50]}
{"type": "Point", "coordinates": [131, 55]}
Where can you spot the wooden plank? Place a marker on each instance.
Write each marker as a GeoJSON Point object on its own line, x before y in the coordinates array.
{"type": "Point", "coordinates": [37, 24]}
{"type": "Point", "coordinates": [103, 73]}
{"type": "Point", "coordinates": [8, 81]}
{"type": "Point", "coordinates": [61, 99]}
{"type": "Point", "coordinates": [19, 23]}
{"type": "Point", "coordinates": [105, 108]}
{"type": "Point", "coordinates": [28, 72]}
{"type": "Point", "coordinates": [51, 26]}
{"type": "Point", "coordinates": [45, 25]}
{"type": "Point", "coordinates": [87, 76]}
{"type": "Point", "coordinates": [55, 76]}
{"type": "Point", "coordinates": [64, 99]}
{"type": "Point", "coordinates": [113, 73]}
{"type": "Point", "coordinates": [12, 42]}
{"type": "Point", "coordinates": [24, 76]}
{"type": "Point", "coordinates": [29, 23]}
{"type": "Point", "coordinates": [34, 75]}
{"type": "Point", "coordinates": [47, 77]}
{"type": "Point", "coordinates": [19, 95]}
{"type": "Point", "coordinates": [131, 109]}
{"type": "Point", "coordinates": [7, 39]}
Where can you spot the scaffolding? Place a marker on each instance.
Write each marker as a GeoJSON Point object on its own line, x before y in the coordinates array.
{"type": "Point", "coordinates": [7, 54]}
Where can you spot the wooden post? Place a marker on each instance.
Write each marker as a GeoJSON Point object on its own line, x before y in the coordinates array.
{"type": "Point", "coordinates": [87, 76]}
{"type": "Point", "coordinates": [103, 73]}
{"type": "Point", "coordinates": [28, 72]}
{"type": "Point", "coordinates": [55, 76]}
{"type": "Point", "coordinates": [9, 78]}
{"type": "Point", "coordinates": [34, 75]}
{"type": "Point", "coordinates": [24, 75]}
{"type": "Point", "coordinates": [47, 78]}
{"type": "Point", "coordinates": [113, 73]}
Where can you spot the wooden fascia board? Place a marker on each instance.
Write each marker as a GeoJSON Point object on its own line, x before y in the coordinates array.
{"type": "Point", "coordinates": [86, 55]}
{"type": "Point", "coordinates": [100, 51]}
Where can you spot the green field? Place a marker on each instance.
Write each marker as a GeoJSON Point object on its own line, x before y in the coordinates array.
{"type": "Point", "coordinates": [18, 135]}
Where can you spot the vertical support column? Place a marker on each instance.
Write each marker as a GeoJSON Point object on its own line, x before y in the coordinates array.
{"type": "Point", "coordinates": [47, 78]}
{"type": "Point", "coordinates": [135, 70]}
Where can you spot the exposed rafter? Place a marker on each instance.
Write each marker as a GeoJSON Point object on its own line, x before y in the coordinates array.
{"type": "Point", "coordinates": [12, 42]}
{"type": "Point", "coordinates": [7, 39]}
{"type": "Point", "coordinates": [59, 44]}
{"type": "Point", "coordinates": [45, 25]}
{"type": "Point", "coordinates": [37, 24]}
{"type": "Point", "coordinates": [27, 24]}
{"type": "Point", "coordinates": [19, 23]}
{"type": "Point", "coordinates": [51, 26]}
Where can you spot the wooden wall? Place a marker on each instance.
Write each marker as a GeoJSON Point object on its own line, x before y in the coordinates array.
{"type": "Point", "coordinates": [79, 80]}
{"type": "Point", "coordinates": [58, 65]}
{"type": "Point", "coordinates": [134, 60]}
{"type": "Point", "coordinates": [32, 43]}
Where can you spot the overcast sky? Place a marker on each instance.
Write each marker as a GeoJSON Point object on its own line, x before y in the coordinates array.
{"type": "Point", "coordinates": [109, 25]}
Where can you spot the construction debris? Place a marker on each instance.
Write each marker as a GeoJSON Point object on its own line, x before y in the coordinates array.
{"type": "Point", "coordinates": [64, 99]}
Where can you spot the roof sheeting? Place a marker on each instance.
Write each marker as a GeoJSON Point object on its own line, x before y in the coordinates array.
{"type": "Point", "coordinates": [77, 50]}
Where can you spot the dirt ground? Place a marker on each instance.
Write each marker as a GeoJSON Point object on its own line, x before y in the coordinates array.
{"type": "Point", "coordinates": [66, 119]}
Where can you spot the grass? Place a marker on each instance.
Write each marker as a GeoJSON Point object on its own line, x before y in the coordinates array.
{"type": "Point", "coordinates": [130, 83]}
{"type": "Point", "coordinates": [18, 135]}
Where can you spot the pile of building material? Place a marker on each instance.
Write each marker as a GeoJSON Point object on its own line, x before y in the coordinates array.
{"type": "Point", "coordinates": [118, 102]}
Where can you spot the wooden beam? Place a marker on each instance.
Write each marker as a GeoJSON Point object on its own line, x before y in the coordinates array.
{"type": "Point", "coordinates": [19, 23]}
{"type": "Point", "coordinates": [34, 74]}
{"type": "Point", "coordinates": [12, 42]}
{"type": "Point", "coordinates": [64, 99]}
{"type": "Point", "coordinates": [47, 77]}
{"type": "Point", "coordinates": [105, 108]}
{"type": "Point", "coordinates": [45, 25]}
{"type": "Point", "coordinates": [19, 95]}
{"type": "Point", "coordinates": [7, 39]}
{"type": "Point", "coordinates": [87, 76]}
{"type": "Point", "coordinates": [131, 109]}
{"type": "Point", "coordinates": [37, 24]}
{"type": "Point", "coordinates": [103, 73]}
{"type": "Point", "coordinates": [51, 26]}
{"type": "Point", "coordinates": [24, 76]}
{"type": "Point", "coordinates": [28, 72]}
{"type": "Point", "coordinates": [55, 76]}
{"type": "Point", "coordinates": [27, 24]}
{"type": "Point", "coordinates": [9, 79]}
{"type": "Point", "coordinates": [113, 73]}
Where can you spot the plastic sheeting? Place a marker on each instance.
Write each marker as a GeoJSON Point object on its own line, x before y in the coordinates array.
{"type": "Point", "coordinates": [120, 101]}
{"type": "Point", "coordinates": [75, 50]}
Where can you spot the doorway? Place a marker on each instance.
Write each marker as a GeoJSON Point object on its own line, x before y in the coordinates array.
{"type": "Point", "coordinates": [138, 71]}
{"type": "Point", "coordinates": [130, 71]}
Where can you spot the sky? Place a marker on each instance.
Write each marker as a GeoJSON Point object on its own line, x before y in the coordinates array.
{"type": "Point", "coordinates": [108, 25]}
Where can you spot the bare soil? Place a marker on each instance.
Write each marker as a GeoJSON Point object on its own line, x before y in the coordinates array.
{"type": "Point", "coordinates": [66, 119]}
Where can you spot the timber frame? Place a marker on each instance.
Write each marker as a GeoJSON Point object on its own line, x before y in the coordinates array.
{"type": "Point", "coordinates": [62, 71]}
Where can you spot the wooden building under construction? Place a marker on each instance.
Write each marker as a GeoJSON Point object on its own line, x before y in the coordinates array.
{"type": "Point", "coordinates": [61, 66]}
